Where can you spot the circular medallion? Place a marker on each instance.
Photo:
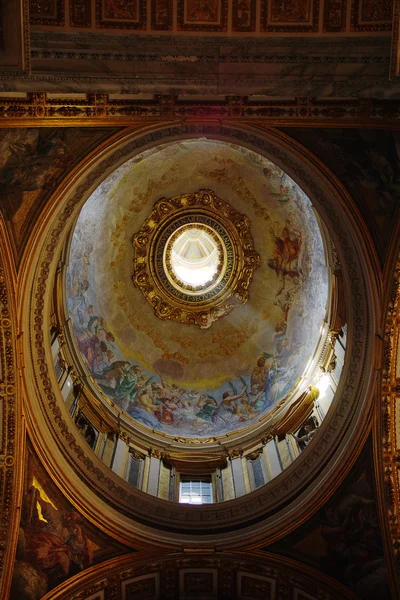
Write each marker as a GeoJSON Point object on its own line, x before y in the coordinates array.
{"type": "Point", "coordinates": [194, 258]}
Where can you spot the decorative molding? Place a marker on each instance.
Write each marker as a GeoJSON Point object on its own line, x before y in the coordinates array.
{"type": "Point", "coordinates": [162, 15]}
{"type": "Point", "coordinates": [395, 45]}
{"type": "Point", "coordinates": [47, 12]}
{"type": "Point", "coordinates": [280, 16]}
{"type": "Point", "coordinates": [129, 41]}
{"type": "Point", "coordinates": [387, 422]}
{"type": "Point", "coordinates": [12, 431]}
{"type": "Point", "coordinates": [153, 273]}
{"type": "Point", "coordinates": [216, 16]}
{"type": "Point", "coordinates": [243, 15]}
{"type": "Point", "coordinates": [80, 13]}
{"type": "Point", "coordinates": [100, 109]}
{"type": "Point", "coordinates": [371, 15]}
{"type": "Point", "coordinates": [214, 575]}
{"type": "Point", "coordinates": [111, 14]}
{"type": "Point", "coordinates": [206, 15]}
{"type": "Point", "coordinates": [240, 58]}
{"type": "Point", "coordinates": [255, 454]}
{"type": "Point", "coordinates": [335, 15]}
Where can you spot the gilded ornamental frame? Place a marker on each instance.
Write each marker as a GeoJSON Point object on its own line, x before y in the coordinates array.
{"type": "Point", "coordinates": [237, 262]}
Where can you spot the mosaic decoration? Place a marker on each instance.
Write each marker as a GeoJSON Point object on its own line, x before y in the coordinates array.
{"type": "Point", "coordinates": [298, 15]}
{"type": "Point", "coordinates": [80, 13]}
{"type": "Point", "coordinates": [371, 15]}
{"type": "Point", "coordinates": [46, 12]}
{"type": "Point", "coordinates": [161, 15]}
{"type": "Point", "coordinates": [202, 15]}
{"type": "Point", "coordinates": [335, 15]}
{"type": "Point", "coordinates": [243, 15]}
{"type": "Point", "coordinates": [116, 14]}
{"type": "Point", "coordinates": [188, 381]}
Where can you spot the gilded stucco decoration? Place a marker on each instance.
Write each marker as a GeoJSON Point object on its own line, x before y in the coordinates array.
{"type": "Point", "coordinates": [387, 425]}
{"type": "Point", "coordinates": [11, 425]}
{"type": "Point", "coordinates": [154, 274]}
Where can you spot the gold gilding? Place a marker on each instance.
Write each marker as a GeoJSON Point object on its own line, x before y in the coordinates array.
{"type": "Point", "coordinates": [153, 273]}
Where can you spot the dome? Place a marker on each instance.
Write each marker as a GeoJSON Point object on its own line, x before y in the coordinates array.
{"type": "Point", "coordinates": [231, 245]}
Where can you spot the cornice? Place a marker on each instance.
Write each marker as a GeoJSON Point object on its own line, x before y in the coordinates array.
{"type": "Point", "coordinates": [207, 84]}
{"type": "Point", "coordinates": [283, 573]}
{"type": "Point", "coordinates": [42, 109]}
{"type": "Point", "coordinates": [129, 41]}
{"type": "Point", "coordinates": [324, 462]}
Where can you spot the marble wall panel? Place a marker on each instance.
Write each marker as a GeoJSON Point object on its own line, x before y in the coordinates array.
{"type": "Point", "coordinates": [371, 15]}
{"type": "Point", "coordinates": [114, 14]}
{"type": "Point", "coordinates": [295, 15]}
{"type": "Point", "coordinates": [47, 12]}
{"type": "Point", "coordinates": [162, 15]}
{"type": "Point", "coordinates": [202, 15]}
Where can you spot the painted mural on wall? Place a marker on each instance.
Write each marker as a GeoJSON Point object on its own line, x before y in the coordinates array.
{"type": "Point", "coordinates": [176, 378]}
{"type": "Point", "coordinates": [367, 162]}
{"type": "Point", "coordinates": [343, 539]}
{"type": "Point", "coordinates": [55, 542]}
{"type": "Point", "coordinates": [33, 161]}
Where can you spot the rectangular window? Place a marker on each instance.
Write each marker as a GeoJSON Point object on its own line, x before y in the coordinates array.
{"type": "Point", "coordinates": [134, 473]}
{"type": "Point", "coordinates": [258, 473]}
{"type": "Point", "coordinates": [195, 491]}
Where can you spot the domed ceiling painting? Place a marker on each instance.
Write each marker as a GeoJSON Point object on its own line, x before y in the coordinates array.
{"type": "Point", "coordinates": [175, 377]}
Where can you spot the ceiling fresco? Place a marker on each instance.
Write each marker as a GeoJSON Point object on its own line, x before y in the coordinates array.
{"type": "Point", "coordinates": [175, 377]}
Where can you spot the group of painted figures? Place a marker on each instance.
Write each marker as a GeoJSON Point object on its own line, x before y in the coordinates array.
{"type": "Point", "coordinates": [163, 405]}
{"type": "Point", "coordinates": [157, 403]}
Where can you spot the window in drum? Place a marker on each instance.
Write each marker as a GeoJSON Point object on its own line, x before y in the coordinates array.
{"type": "Point", "coordinates": [195, 491]}
{"type": "Point", "coordinates": [135, 471]}
{"type": "Point", "coordinates": [258, 473]}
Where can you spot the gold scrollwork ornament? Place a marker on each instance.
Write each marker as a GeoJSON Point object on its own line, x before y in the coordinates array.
{"type": "Point", "coordinates": [228, 288]}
